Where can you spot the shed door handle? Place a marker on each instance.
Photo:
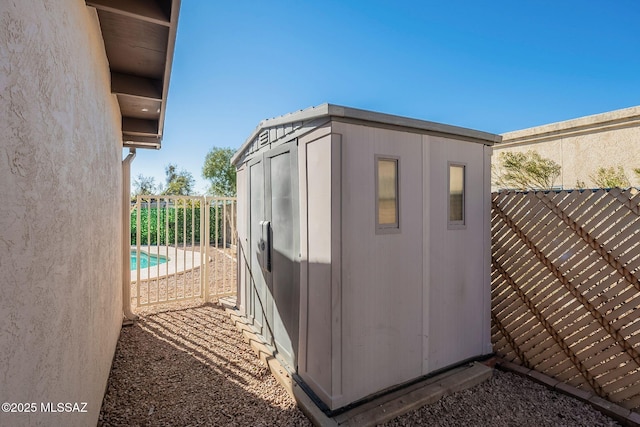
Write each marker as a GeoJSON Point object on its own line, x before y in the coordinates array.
{"type": "Point", "coordinates": [265, 244]}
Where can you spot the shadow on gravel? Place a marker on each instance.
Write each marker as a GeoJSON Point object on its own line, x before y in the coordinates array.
{"type": "Point", "coordinates": [191, 367]}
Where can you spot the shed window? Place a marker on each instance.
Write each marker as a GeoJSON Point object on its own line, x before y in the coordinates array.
{"type": "Point", "coordinates": [387, 193]}
{"type": "Point", "coordinates": [456, 195]}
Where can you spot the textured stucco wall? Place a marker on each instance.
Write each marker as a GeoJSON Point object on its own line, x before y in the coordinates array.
{"type": "Point", "coordinates": [60, 178]}
{"type": "Point", "coordinates": [581, 146]}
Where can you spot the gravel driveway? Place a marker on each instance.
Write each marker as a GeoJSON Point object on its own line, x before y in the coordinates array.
{"type": "Point", "coordinates": [190, 367]}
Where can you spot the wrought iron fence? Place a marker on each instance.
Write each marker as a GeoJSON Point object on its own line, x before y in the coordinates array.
{"type": "Point", "coordinates": [182, 248]}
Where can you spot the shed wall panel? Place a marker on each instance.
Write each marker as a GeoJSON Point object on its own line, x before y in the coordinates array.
{"type": "Point", "coordinates": [283, 279]}
{"type": "Point", "coordinates": [336, 268]}
{"type": "Point", "coordinates": [486, 259]}
{"type": "Point", "coordinates": [258, 304]}
{"type": "Point", "coordinates": [382, 281]}
{"type": "Point", "coordinates": [317, 367]}
{"type": "Point", "coordinates": [458, 288]}
{"type": "Point", "coordinates": [243, 258]}
{"type": "Point", "coordinates": [426, 261]}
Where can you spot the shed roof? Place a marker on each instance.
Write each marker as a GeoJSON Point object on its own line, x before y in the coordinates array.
{"type": "Point", "coordinates": [310, 118]}
{"type": "Point", "coordinates": [139, 38]}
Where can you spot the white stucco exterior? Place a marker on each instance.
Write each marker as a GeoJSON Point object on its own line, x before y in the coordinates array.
{"type": "Point", "coordinates": [581, 146]}
{"type": "Point", "coordinates": [60, 211]}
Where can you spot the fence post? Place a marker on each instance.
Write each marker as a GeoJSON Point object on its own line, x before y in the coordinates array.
{"type": "Point", "coordinates": [205, 203]}
{"type": "Point", "coordinates": [138, 231]}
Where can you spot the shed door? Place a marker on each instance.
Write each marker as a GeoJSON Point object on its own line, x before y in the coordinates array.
{"type": "Point", "coordinates": [257, 290]}
{"type": "Point", "coordinates": [274, 233]}
{"type": "Point", "coordinates": [283, 282]}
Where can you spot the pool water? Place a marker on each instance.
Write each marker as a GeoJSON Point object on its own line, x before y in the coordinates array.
{"type": "Point", "coordinates": [146, 260]}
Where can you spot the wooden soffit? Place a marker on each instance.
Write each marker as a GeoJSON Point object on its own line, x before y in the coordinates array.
{"type": "Point", "coordinates": [139, 38]}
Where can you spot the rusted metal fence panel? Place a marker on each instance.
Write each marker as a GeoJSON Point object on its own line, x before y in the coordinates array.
{"type": "Point", "coordinates": [565, 289]}
{"type": "Point", "coordinates": [182, 248]}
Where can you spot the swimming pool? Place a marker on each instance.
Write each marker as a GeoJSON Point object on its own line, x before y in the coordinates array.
{"type": "Point", "coordinates": [146, 260]}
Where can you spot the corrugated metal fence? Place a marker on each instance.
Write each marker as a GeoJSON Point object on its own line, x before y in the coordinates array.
{"type": "Point", "coordinates": [565, 289]}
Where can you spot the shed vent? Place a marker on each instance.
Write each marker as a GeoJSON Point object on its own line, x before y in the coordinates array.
{"type": "Point", "coordinates": [264, 137]}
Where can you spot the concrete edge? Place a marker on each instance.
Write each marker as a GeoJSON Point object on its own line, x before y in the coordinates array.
{"type": "Point", "coordinates": [625, 416]}
{"type": "Point", "coordinates": [304, 402]}
{"type": "Point", "coordinates": [228, 302]}
{"type": "Point", "coordinates": [393, 395]}
{"type": "Point", "coordinates": [433, 390]}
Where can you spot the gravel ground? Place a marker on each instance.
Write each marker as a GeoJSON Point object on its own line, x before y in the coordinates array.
{"type": "Point", "coordinates": [505, 400]}
{"type": "Point", "coordinates": [189, 366]}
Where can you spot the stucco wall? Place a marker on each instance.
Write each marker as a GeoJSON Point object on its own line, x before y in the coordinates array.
{"type": "Point", "coordinates": [60, 204]}
{"type": "Point", "coordinates": [580, 146]}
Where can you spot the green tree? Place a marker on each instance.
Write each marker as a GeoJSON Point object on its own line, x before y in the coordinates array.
{"type": "Point", "coordinates": [144, 185]}
{"type": "Point", "coordinates": [525, 171]}
{"type": "Point", "coordinates": [179, 183]}
{"type": "Point", "coordinates": [610, 178]}
{"type": "Point", "coordinates": [220, 172]}
{"type": "Point", "coordinates": [637, 172]}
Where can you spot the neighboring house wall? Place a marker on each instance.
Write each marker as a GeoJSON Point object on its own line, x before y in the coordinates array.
{"type": "Point", "coordinates": [582, 145]}
{"type": "Point", "coordinates": [60, 210]}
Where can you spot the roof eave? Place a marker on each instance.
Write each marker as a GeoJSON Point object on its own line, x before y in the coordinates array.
{"type": "Point", "coordinates": [140, 71]}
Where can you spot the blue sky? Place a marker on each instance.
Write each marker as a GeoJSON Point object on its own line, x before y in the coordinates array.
{"type": "Point", "coordinates": [494, 66]}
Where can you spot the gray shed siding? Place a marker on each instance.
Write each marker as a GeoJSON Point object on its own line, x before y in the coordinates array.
{"type": "Point", "coordinates": [320, 276]}
{"type": "Point", "coordinates": [458, 279]}
{"type": "Point", "coordinates": [382, 283]}
{"type": "Point", "coordinates": [378, 310]}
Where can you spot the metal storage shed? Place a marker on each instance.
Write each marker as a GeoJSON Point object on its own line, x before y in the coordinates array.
{"type": "Point", "coordinates": [364, 246]}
